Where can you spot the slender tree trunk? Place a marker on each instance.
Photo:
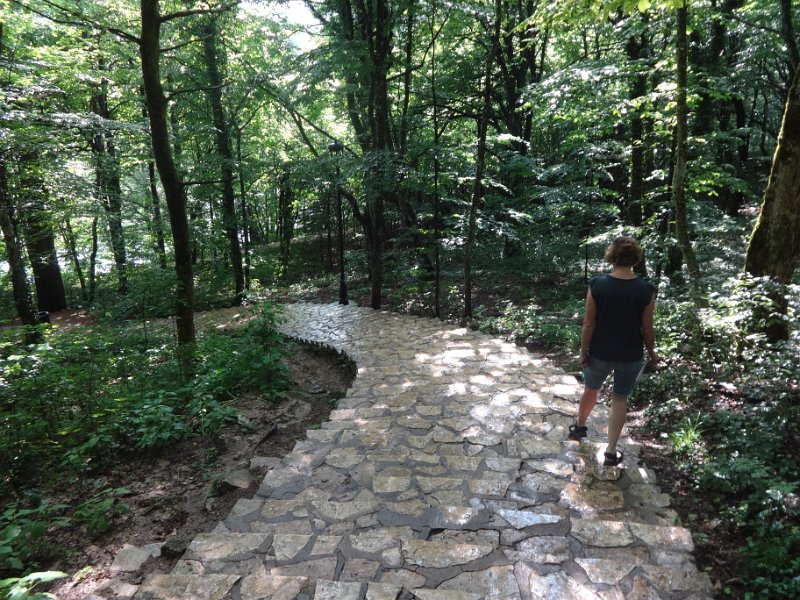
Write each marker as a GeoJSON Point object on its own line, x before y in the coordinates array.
{"type": "Point", "coordinates": [160, 246]}
{"type": "Point", "coordinates": [517, 69]}
{"type": "Point", "coordinates": [113, 206]}
{"type": "Point", "coordinates": [174, 190]}
{"type": "Point", "coordinates": [223, 139]}
{"type": "Point", "coordinates": [328, 233]}
{"type": "Point", "coordinates": [286, 220]}
{"type": "Point", "coordinates": [374, 234]}
{"type": "Point", "coordinates": [157, 221]}
{"type": "Point", "coordinates": [681, 159]}
{"type": "Point", "coordinates": [480, 161]}
{"type": "Point", "coordinates": [69, 240]}
{"type": "Point", "coordinates": [109, 189]}
{"type": "Point", "coordinates": [380, 39]}
{"type": "Point", "coordinates": [637, 49]}
{"type": "Point", "coordinates": [437, 209]}
{"type": "Point", "coordinates": [713, 61]}
{"type": "Point", "coordinates": [774, 247]}
{"type": "Point", "coordinates": [408, 216]}
{"type": "Point", "coordinates": [244, 210]}
{"type": "Point", "coordinates": [93, 260]}
{"type": "Point", "coordinates": [23, 300]}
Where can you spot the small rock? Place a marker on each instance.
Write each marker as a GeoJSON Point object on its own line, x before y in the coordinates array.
{"type": "Point", "coordinates": [130, 559]}
{"type": "Point", "coordinates": [174, 548]}
{"type": "Point", "coordinates": [153, 549]}
{"type": "Point", "coordinates": [241, 479]}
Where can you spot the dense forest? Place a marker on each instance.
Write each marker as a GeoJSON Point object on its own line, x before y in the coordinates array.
{"type": "Point", "coordinates": [466, 160]}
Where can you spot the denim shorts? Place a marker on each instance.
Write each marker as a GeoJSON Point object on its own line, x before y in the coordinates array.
{"type": "Point", "coordinates": [625, 374]}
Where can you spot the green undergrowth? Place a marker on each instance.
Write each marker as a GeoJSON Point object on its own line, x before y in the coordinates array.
{"type": "Point", "coordinates": [728, 403]}
{"type": "Point", "coordinates": [73, 403]}
{"type": "Point", "coordinates": [555, 329]}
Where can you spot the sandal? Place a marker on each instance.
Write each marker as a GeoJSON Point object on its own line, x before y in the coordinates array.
{"type": "Point", "coordinates": [613, 459]}
{"type": "Point", "coordinates": [576, 432]}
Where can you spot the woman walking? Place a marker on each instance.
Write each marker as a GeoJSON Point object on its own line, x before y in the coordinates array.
{"type": "Point", "coordinates": [617, 323]}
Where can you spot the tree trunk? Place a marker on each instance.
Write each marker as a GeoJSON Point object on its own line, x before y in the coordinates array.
{"type": "Point", "coordinates": [223, 139]}
{"type": "Point", "coordinates": [368, 26]}
{"type": "Point", "coordinates": [437, 210]}
{"type": "Point", "coordinates": [713, 61]}
{"type": "Point", "coordinates": [788, 35]}
{"type": "Point", "coordinates": [286, 219]}
{"type": "Point", "coordinates": [160, 246]}
{"type": "Point", "coordinates": [93, 261]}
{"type": "Point", "coordinates": [774, 246]}
{"type": "Point", "coordinates": [23, 300]}
{"type": "Point", "coordinates": [9, 226]}
{"type": "Point", "coordinates": [69, 239]}
{"type": "Point", "coordinates": [681, 159]}
{"type": "Point", "coordinates": [477, 191]}
{"type": "Point", "coordinates": [637, 50]}
{"type": "Point", "coordinates": [516, 57]}
{"type": "Point", "coordinates": [41, 243]}
{"type": "Point", "coordinates": [244, 209]}
{"type": "Point", "coordinates": [373, 216]}
{"type": "Point", "coordinates": [156, 220]}
{"type": "Point", "coordinates": [174, 191]}
{"type": "Point", "coordinates": [109, 190]}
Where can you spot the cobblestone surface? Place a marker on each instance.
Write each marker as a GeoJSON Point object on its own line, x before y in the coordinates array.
{"type": "Point", "coordinates": [444, 474]}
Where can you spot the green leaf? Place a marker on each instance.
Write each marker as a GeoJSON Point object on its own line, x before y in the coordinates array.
{"type": "Point", "coordinates": [644, 6]}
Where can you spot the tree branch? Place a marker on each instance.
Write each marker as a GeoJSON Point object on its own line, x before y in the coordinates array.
{"type": "Point", "coordinates": [206, 88]}
{"type": "Point", "coordinates": [197, 11]}
{"type": "Point", "coordinates": [79, 19]}
{"type": "Point", "coordinates": [202, 182]}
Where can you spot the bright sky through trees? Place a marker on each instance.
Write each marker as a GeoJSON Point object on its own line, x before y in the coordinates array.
{"type": "Point", "coordinates": [295, 12]}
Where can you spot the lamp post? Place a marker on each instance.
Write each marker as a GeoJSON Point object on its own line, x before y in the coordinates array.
{"type": "Point", "coordinates": [334, 149]}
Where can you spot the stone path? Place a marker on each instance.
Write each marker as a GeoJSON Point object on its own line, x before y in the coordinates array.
{"type": "Point", "coordinates": [444, 474]}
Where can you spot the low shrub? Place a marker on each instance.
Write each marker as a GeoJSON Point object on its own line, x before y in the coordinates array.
{"type": "Point", "coordinates": [78, 399]}
{"type": "Point", "coordinates": [558, 330]}
{"type": "Point", "coordinates": [726, 400]}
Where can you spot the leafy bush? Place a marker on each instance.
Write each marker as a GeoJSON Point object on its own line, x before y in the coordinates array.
{"type": "Point", "coordinates": [772, 561]}
{"type": "Point", "coordinates": [562, 331]}
{"type": "Point", "coordinates": [81, 398]}
{"type": "Point", "coordinates": [23, 544]}
{"type": "Point", "coordinates": [21, 588]}
{"type": "Point", "coordinates": [727, 400]}
{"type": "Point", "coordinates": [150, 295]}
{"type": "Point", "coordinates": [99, 511]}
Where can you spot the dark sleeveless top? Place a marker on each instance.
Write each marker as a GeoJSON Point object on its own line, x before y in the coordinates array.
{"type": "Point", "coordinates": [618, 320]}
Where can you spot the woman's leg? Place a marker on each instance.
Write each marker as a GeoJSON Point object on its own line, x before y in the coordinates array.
{"type": "Point", "coordinates": [588, 400]}
{"type": "Point", "coordinates": [616, 420]}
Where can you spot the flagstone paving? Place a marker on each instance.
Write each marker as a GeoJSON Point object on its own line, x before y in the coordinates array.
{"type": "Point", "coordinates": [444, 474]}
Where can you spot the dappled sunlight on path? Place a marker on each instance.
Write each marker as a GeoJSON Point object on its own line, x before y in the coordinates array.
{"type": "Point", "coordinates": [444, 474]}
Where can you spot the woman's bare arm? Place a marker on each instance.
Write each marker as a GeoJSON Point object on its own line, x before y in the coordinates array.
{"type": "Point", "coordinates": [587, 331]}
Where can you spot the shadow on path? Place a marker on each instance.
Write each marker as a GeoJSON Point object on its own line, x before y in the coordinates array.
{"type": "Point", "coordinates": [444, 474]}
